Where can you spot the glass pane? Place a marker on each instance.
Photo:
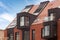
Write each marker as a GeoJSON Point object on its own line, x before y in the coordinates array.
{"type": "Point", "coordinates": [43, 33]}
{"type": "Point", "coordinates": [17, 36]}
{"type": "Point", "coordinates": [26, 21]}
{"type": "Point", "coordinates": [26, 10]}
{"type": "Point", "coordinates": [47, 30]}
{"type": "Point", "coordinates": [41, 7]}
{"type": "Point", "coordinates": [22, 21]}
{"type": "Point", "coordinates": [26, 35]}
{"type": "Point", "coordinates": [33, 34]}
{"type": "Point", "coordinates": [11, 37]}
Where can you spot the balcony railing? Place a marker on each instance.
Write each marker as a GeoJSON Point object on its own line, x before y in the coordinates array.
{"type": "Point", "coordinates": [49, 18]}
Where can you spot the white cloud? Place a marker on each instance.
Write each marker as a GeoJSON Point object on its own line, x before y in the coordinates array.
{"type": "Point", "coordinates": [6, 16]}
{"type": "Point", "coordinates": [4, 6]}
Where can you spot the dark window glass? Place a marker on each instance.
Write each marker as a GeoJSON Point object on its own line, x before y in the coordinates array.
{"type": "Point", "coordinates": [41, 7]}
{"type": "Point", "coordinates": [26, 21]}
{"type": "Point", "coordinates": [17, 36]}
{"type": "Point", "coordinates": [26, 35]}
{"type": "Point", "coordinates": [33, 34]}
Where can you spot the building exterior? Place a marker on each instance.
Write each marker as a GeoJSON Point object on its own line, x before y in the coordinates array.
{"type": "Point", "coordinates": [2, 35]}
{"type": "Point", "coordinates": [36, 22]}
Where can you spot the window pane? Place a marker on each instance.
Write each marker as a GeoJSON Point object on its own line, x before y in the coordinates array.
{"type": "Point", "coordinates": [17, 36]}
{"type": "Point", "coordinates": [22, 21]}
{"type": "Point", "coordinates": [33, 34]}
{"type": "Point", "coordinates": [43, 33]}
{"type": "Point", "coordinates": [41, 7]}
{"type": "Point", "coordinates": [26, 35]}
{"type": "Point", "coordinates": [47, 29]}
{"type": "Point", "coordinates": [26, 21]}
{"type": "Point", "coordinates": [11, 37]}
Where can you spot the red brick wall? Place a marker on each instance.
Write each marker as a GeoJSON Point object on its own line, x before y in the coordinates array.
{"type": "Point", "coordinates": [58, 29]}
{"type": "Point", "coordinates": [37, 28]}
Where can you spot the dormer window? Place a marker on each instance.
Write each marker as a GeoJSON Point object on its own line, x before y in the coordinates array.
{"type": "Point", "coordinates": [24, 21]}
{"type": "Point", "coordinates": [41, 7]}
{"type": "Point", "coordinates": [27, 8]}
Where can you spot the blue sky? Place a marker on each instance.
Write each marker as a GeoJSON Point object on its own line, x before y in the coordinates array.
{"type": "Point", "coordinates": [9, 9]}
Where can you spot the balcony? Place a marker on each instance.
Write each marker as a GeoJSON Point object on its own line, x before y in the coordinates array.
{"type": "Point", "coordinates": [49, 18]}
{"type": "Point", "coordinates": [50, 24]}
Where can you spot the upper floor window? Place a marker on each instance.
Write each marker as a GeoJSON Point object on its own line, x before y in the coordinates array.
{"type": "Point", "coordinates": [27, 8]}
{"type": "Point", "coordinates": [46, 31]}
{"type": "Point", "coordinates": [41, 7]}
{"type": "Point", "coordinates": [24, 21]}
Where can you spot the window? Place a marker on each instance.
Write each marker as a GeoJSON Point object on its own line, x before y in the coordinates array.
{"type": "Point", "coordinates": [11, 37]}
{"type": "Point", "coordinates": [33, 34]}
{"type": "Point", "coordinates": [42, 33]}
{"type": "Point", "coordinates": [27, 8]}
{"type": "Point", "coordinates": [17, 35]}
{"type": "Point", "coordinates": [46, 31]}
{"type": "Point", "coordinates": [24, 21]}
{"type": "Point", "coordinates": [41, 7]}
{"type": "Point", "coordinates": [26, 35]}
